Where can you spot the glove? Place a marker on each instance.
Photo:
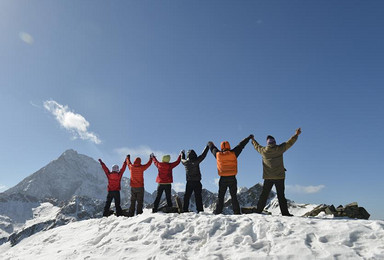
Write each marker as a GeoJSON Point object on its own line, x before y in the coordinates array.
{"type": "Point", "coordinates": [151, 155]}
{"type": "Point", "coordinates": [100, 161]}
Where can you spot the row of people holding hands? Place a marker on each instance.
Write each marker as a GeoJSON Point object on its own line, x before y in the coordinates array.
{"type": "Point", "coordinates": [226, 159]}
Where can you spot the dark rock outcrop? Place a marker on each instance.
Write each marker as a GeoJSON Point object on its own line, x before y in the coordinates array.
{"type": "Point", "coordinates": [351, 210]}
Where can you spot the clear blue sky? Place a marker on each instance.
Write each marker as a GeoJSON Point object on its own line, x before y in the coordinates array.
{"type": "Point", "coordinates": [110, 77]}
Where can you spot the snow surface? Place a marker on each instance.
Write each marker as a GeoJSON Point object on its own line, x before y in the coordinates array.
{"type": "Point", "coordinates": [45, 212]}
{"type": "Point", "coordinates": [205, 236]}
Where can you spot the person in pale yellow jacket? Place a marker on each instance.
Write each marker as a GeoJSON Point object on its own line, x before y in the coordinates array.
{"type": "Point", "coordinates": [274, 171]}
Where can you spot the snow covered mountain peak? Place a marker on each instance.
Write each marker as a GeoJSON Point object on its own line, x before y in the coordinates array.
{"type": "Point", "coordinates": [70, 154]}
{"type": "Point", "coordinates": [71, 174]}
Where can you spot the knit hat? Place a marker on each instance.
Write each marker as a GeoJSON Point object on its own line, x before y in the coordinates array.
{"type": "Point", "coordinates": [166, 158]}
{"type": "Point", "coordinates": [115, 168]}
{"type": "Point", "coordinates": [225, 146]}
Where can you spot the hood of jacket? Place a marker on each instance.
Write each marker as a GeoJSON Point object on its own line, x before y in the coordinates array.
{"type": "Point", "coordinates": [191, 154]}
{"type": "Point", "coordinates": [166, 158]}
{"type": "Point", "coordinates": [224, 146]}
{"type": "Point", "coordinates": [137, 161]}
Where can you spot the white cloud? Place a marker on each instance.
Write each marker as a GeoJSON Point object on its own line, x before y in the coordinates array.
{"type": "Point", "coordinates": [305, 189]}
{"type": "Point", "coordinates": [3, 188]}
{"type": "Point", "coordinates": [143, 152]}
{"type": "Point", "coordinates": [216, 181]}
{"type": "Point", "coordinates": [178, 186]}
{"type": "Point", "coordinates": [26, 37]}
{"type": "Point", "coordinates": [74, 123]}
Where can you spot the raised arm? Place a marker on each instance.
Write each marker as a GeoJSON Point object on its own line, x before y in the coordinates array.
{"type": "Point", "coordinates": [105, 168]}
{"type": "Point", "coordinates": [213, 148]}
{"type": "Point", "coordinates": [203, 155]}
{"type": "Point", "coordinates": [175, 163]}
{"type": "Point", "coordinates": [239, 148]}
{"type": "Point", "coordinates": [129, 160]}
{"type": "Point", "coordinates": [155, 161]}
{"type": "Point", "coordinates": [146, 166]}
{"type": "Point", "coordinates": [293, 139]}
{"type": "Point", "coordinates": [183, 160]}
{"type": "Point", "coordinates": [123, 167]}
{"type": "Point", "coordinates": [256, 145]}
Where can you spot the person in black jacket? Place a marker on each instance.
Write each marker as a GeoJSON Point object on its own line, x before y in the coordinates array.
{"type": "Point", "coordinates": [193, 175]}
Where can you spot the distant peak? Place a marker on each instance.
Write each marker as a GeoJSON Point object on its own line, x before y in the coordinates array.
{"type": "Point", "coordinates": [69, 153]}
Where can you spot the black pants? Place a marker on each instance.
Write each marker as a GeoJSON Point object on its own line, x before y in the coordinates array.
{"type": "Point", "coordinates": [280, 188]}
{"type": "Point", "coordinates": [160, 189]}
{"type": "Point", "coordinates": [116, 196]}
{"type": "Point", "coordinates": [196, 187]}
{"type": "Point", "coordinates": [137, 195]}
{"type": "Point", "coordinates": [224, 183]}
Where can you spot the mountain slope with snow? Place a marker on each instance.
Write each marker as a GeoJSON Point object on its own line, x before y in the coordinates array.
{"type": "Point", "coordinates": [70, 174]}
{"type": "Point", "coordinates": [205, 236]}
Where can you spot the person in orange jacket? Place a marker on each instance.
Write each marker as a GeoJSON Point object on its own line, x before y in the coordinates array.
{"type": "Point", "coordinates": [114, 187]}
{"type": "Point", "coordinates": [137, 184]}
{"type": "Point", "coordinates": [164, 178]}
{"type": "Point", "coordinates": [227, 169]}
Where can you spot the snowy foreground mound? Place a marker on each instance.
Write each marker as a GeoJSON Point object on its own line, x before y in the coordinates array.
{"type": "Point", "coordinates": [205, 236]}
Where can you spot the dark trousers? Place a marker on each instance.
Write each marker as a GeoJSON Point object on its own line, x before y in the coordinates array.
{"type": "Point", "coordinates": [116, 196]}
{"type": "Point", "coordinates": [137, 195]}
{"type": "Point", "coordinates": [196, 187]}
{"type": "Point", "coordinates": [280, 188]}
{"type": "Point", "coordinates": [224, 183]}
{"type": "Point", "coordinates": [160, 189]}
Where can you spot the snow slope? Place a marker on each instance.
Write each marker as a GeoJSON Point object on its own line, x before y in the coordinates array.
{"type": "Point", "coordinates": [205, 236]}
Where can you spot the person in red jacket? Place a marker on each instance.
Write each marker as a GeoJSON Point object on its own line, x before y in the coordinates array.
{"type": "Point", "coordinates": [114, 180]}
{"type": "Point", "coordinates": [137, 184]}
{"type": "Point", "coordinates": [164, 178]}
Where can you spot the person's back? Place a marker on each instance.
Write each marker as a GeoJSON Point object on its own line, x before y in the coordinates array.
{"type": "Point", "coordinates": [193, 176]}
{"type": "Point", "coordinates": [137, 184]}
{"type": "Point", "coordinates": [192, 164]}
{"type": "Point", "coordinates": [114, 180]}
{"type": "Point", "coordinates": [226, 163]}
{"type": "Point", "coordinates": [226, 160]}
{"type": "Point", "coordinates": [164, 178]}
{"type": "Point", "coordinates": [137, 172]}
{"type": "Point", "coordinates": [274, 170]}
{"type": "Point", "coordinates": [165, 170]}
{"type": "Point", "coordinates": [272, 154]}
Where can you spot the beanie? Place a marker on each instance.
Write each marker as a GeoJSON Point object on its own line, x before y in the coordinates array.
{"type": "Point", "coordinates": [166, 158]}
{"type": "Point", "coordinates": [115, 168]}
